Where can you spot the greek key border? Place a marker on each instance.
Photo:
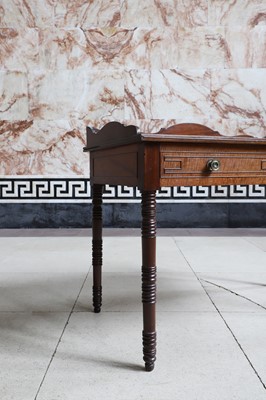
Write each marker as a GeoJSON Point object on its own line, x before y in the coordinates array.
{"type": "Point", "coordinates": [62, 190]}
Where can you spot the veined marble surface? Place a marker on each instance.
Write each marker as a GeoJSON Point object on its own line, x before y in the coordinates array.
{"type": "Point", "coordinates": [154, 13]}
{"type": "Point", "coordinates": [248, 13]}
{"type": "Point", "coordinates": [246, 51]}
{"type": "Point", "coordinates": [167, 93]}
{"type": "Point", "coordinates": [26, 13]}
{"type": "Point", "coordinates": [240, 95]}
{"type": "Point", "coordinates": [75, 94]}
{"type": "Point", "coordinates": [13, 95]}
{"type": "Point", "coordinates": [65, 64]}
{"type": "Point", "coordinates": [72, 13]}
{"type": "Point", "coordinates": [43, 148]}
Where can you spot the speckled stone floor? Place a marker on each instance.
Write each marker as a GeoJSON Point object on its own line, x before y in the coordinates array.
{"type": "Point", "coordinates": [211, 316]}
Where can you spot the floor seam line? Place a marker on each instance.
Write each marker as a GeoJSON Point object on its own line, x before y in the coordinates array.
{"type": "Point", "coordinates": [253, 244]}
{"type": "Point", "coordinates": [60, 337]}
{"type": "Point", "coordinates": [238, 343]}
{"type": "Point", "coordinates": [223, 319]}
{"type": "Point", "coordinates": [231, 291]}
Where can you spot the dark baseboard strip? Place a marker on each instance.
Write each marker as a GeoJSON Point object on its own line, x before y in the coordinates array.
{"type": "Point", "coordinates": [127, 215]}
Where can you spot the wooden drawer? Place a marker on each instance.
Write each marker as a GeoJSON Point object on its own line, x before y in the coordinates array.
{"type": "Point", "coordinates": [235, 165]}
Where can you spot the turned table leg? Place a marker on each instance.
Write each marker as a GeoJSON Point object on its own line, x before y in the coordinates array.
{"type": "Point", "coordinates": [148, 233]}
{"type": "Point", "coordinates": [97, 192]}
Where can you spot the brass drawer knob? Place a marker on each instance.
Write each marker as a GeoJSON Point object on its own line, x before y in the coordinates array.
{"type": "Point", "coordinates": [213, 165]}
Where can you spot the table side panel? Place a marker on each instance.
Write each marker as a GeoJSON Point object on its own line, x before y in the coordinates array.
{"type": "Point", "coordinates": [115, 166]}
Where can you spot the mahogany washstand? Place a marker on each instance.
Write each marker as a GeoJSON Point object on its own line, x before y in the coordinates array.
{"type": "Point", "coordinates": [182, 155]}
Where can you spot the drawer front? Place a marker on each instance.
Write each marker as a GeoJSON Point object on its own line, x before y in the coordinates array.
{"type": "Point", "coordinates": [195, 168]}
{"type": "Point", "coordinates": [177, 164]}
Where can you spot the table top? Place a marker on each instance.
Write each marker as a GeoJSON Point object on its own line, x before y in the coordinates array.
{"type": "Point", "coordinates": [115, 134]}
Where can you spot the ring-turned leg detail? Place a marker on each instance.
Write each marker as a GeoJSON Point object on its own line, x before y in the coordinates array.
{"type": "Point", "coordinates": [148, 232]}
{"type": "Point", "coordinates": [149, 349]}
{"type": "Point", "coordinates": [97, 298]}
{"type": "Point", "coordinates": [97, 245]}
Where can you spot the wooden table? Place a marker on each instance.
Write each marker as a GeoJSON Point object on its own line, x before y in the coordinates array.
{"type": "Point", "coordinates": [182, 155]}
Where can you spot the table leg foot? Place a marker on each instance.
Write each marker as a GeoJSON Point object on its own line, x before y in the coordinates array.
{"type": "Point", "coordinates": [97, 298]}
{"type": "Point", "coordinates": [149, 350]}
{"type": "Point", "coordinates": [149, 367]}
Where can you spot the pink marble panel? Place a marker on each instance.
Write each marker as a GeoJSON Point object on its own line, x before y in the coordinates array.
{"type": "Point", "coordinates": [234, 127]}
{"type": "Point", "coordinates": [246, 48]}
{"type": "Point", "coordinates": [239, 95]}
{"type": "Point", "coordinates": [132, 48]}
{"type": "Point", "coordinates": [152, 63]}
{"type": "Point", "coordinates": [58, 94]}
{"type": "Point", "coordinates": [156, 48]}
{"type": "Point", "coordinates": [76, 94]}
{"type": "Point", "coordinates": [155, 13]}
{"type": "Point", "coordinates": [85, 14]}
{"type": "Point", "coordinates": [43, 148]}
{"type": "Point", "coordinates": [63, 49]}
{"type": "Point", "coordinates": [138, 94]}
{"type": "Point", "coordinates": [19, 49]}
{"type": "Point", "coordinates": [26, 13]}
{"type": "Point", "coordinates": [13, 96]}
{"type": "Point", "coordinates": [237, 12]}
{"type": "Point", "coordinates": [108, 47]}
{"type": "Point", "coordinates": [105, 98]}
{"type": "Point", "coordinates": [167, 94]}
{"type": "Point", "coordinates": [201, 48]}
{"type": "Point", "coordinates": [191, 13]}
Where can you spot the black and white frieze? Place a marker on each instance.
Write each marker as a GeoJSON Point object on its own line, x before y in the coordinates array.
{"type": "Point", "coordinates": [39, 189]}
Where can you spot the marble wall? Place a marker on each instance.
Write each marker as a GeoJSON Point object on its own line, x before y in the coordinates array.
{"type": "Point", "coordinates": [65, 64]}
